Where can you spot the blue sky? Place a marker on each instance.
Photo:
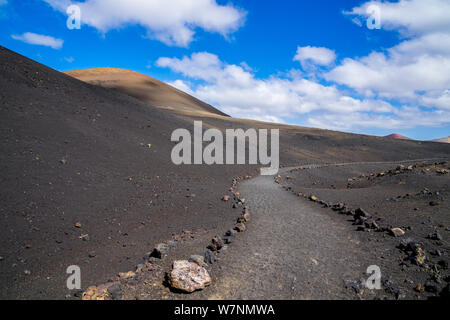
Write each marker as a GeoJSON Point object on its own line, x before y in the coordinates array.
{"type": "Point", "coordinates": [312, 63]}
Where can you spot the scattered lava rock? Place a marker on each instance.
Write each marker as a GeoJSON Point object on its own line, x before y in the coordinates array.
{"type": "Point", "coordinates": [160, 250]}
{"type": "Point", "coordinates": [361, 213]}
{"type": "Point", "coordinates": [432, 287]}
{"type": "Point", "coordinates": [188, 276]}
{"type": "Point", "coordinates": [216, 244]}
{"type": "Point", "coordinates": [244, 218]}
{"type": "Point", "coordinates": [372, 225]}
{"type": "Point", "coordinates": [338, 207]}
{"type": "Point", "coordinates": [397, 232]}
{"type": "Point", "coordinates": [200, 260]}
{"type": "Point", "coordinates": [414, 249]}
{"type": "Point", "coordinates": [435, 236]}
{"type": "Point", "coordinates": [127, 275]}
{"type": "Point", "coordinates": [210, 257]}
{"type": "Point", "coordinates": [115, 291]}
{"type": "Point", "coordinates": [358, 286]}
{"type": "Point", "coordinates": [228, 239]}
{"type": "Point", "coordinates": [97, 293]}
{"type": "Point", "coordinates": [397, 293]}
{"type": "Point", "coordinates": [240, 227]}
{"type": "Point", "coordinates": [230, 232]}
{"type": "Point", "coordinates": [420, 288]}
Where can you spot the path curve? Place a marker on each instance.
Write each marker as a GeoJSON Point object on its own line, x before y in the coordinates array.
{"type": "Point", "coordinates": [292, 248]}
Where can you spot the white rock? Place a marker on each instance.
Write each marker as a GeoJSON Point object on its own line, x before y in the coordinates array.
{"type": "Point", "coordinates": [188, 276]}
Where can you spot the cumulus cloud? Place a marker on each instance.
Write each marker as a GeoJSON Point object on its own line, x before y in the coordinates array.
{"type": "Point", "coordinates": [402, 87]}
{"type": "Point", "coordinates": [39, 39]}
{"type": "Point", "coordinates": [170, 21]}
{"type": "Point", "coordinates": [415, 71]}
{"type": "Point", "coordinates": [201, 65]}
{"type": "Point", "coordinates": [440, 100]}
{"type": "Point", "coordinates": [238, 92]}
{"type": "Point", "coordinates": [181, 85]}
{"type": "Point", "coordinates": [407, 118]}
{"type": "Point", "coordinates": [413, 66]}
{"type": "Point", "coordinates": [315, 55]}
{"type": "Point", "coordinates": [410, 16]}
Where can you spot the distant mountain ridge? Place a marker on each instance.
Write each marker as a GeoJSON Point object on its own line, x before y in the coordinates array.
{"type": "Point", "coordinates": [442, 140]}
{"type": "Point", "coordinates": [397, 136]}
{"type": "Point", "coordinates": [401, 137]}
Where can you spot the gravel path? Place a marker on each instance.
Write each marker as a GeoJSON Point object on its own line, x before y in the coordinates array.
{"type": "Point", "coordinates": [291, 250]}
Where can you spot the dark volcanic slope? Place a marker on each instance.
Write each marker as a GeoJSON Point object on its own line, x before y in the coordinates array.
{"type": "Point", "coordinates": [145, 88]}
{"type": "Point", "coordinates": [298, 144]}
{"type": "Point", "coordinates": [75, 152]}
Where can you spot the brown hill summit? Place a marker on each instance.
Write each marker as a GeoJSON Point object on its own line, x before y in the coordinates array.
{"type": "Point", "coordinates": [442, 140]}
{"type": "Point", "coordinates": [144, 88]}
{"type": "Point", "coordinates": [397, 136]}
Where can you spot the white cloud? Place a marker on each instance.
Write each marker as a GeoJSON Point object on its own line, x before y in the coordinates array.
{"type": "Point", "coordinates": [201, 65]}
{"type": "Point", "coordinates": [440, 100]}
{"type": "Point", "coordinates": [403, 118]}
{"type": "Point", "coordinates": [410, 68]}
{"type": "Point", "coordinates": [239, 93]}
{"type": "Point", "coordinates": [414, 74]}
{"type": "Point", "coordinates": [413, 17]}
{"type": "Point", "coordinates": [170, 21]}
{"type": "Point", "coordinates": [315, 55]}
{"type": "Point", "coordinates": [415, 71]}
{"type": "Point", "coordinates": [39, 39]}
{"type": "Point", "coordinates": [181, 85]}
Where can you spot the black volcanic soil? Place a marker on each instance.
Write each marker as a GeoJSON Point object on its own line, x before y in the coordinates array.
{"type": "Point", "coordinates": [72, 152]}
{"type": "Point", "coordinates": [412, 196]}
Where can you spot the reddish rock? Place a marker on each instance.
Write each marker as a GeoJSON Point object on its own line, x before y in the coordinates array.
{"type": "Point", "coordinates": [188, 276]}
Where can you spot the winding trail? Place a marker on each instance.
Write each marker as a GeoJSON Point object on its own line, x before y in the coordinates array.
{"type": "Point", "coordinates": [292, 249]}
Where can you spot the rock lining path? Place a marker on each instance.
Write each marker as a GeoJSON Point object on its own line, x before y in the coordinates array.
{"type": "Point", "coordinates": [292, 249]}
